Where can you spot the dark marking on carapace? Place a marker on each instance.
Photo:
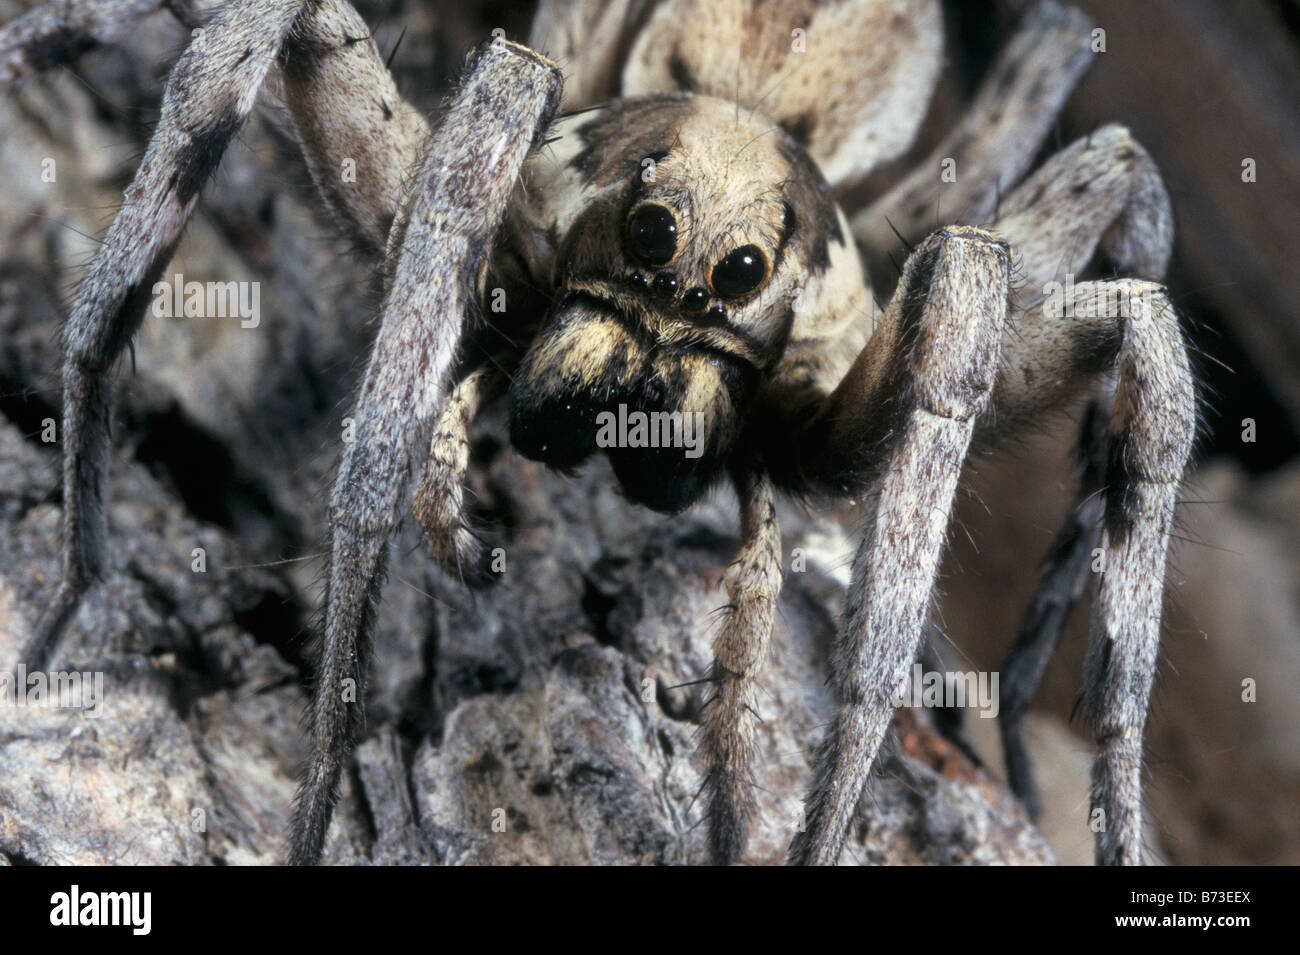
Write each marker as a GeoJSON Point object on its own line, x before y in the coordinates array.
{"type": "Point", "coordinates": [625, 132]}
{"type": "Point", "coordinates": [810, 195]}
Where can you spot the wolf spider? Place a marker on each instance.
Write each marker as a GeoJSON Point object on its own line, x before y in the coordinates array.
{"type": "Point", "coordinates": [680, 249]}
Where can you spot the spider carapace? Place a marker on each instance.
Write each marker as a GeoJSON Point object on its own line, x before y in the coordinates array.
{"type": "Point", "coordinates": [679, 233]}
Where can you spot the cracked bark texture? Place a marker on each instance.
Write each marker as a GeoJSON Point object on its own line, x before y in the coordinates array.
{"type": "Point", "coordinates": [541, 718]}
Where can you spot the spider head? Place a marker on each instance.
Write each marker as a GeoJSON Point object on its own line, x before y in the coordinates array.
{"type": "Point", "coordinates": [692, 229]}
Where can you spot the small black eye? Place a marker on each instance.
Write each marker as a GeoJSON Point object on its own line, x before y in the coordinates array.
{"type": "Point", "coordinates": [740, 272]}
{"type": "Point", "coordinates": [665, 285]}
{"type": "Point", "coordinates": [695, 299]}
{"type": "Point", "coordinates": [652, 235]}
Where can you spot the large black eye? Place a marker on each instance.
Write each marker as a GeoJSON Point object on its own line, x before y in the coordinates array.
{"type": "Point", "coordinates": [652, 235]}
{"type": "Point", "coordinates": [740, 272]}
